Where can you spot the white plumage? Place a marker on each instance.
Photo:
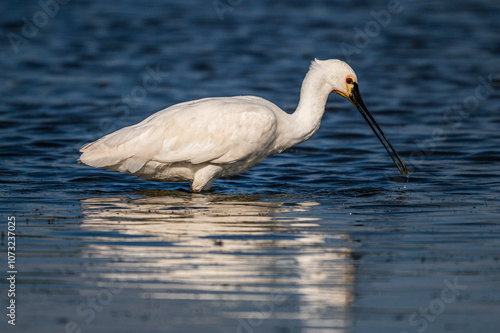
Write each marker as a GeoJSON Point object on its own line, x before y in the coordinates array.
{"type": "Point", "coordinates": [210, 138]}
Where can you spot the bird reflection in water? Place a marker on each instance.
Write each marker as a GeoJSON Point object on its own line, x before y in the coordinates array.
{"type": "Point", "coordinates": [239, 256]}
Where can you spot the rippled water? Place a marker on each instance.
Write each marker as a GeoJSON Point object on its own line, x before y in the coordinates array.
{"type": "Point", "coordinates": [325, 237]}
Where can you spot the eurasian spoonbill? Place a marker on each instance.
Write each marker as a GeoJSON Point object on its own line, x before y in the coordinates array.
{"type": "Point", "coordinates": [202, 140]}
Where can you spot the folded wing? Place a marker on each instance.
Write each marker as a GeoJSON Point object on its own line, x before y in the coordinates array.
{"type": "Point", "coordinates": [214, 130]}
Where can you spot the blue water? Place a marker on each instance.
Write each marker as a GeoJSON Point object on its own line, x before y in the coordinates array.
{"type": "Point", "coordinates": [325, 237]}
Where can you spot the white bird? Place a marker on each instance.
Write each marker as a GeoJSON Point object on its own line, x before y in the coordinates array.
{"type": "Point", "coordinates": [202, 140]}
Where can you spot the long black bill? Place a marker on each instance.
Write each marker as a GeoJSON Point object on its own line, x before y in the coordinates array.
{"type": "Point", "coordinates": [356, 99]}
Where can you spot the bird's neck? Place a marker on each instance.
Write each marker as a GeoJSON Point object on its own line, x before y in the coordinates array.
{"type": "Point", "coordinates": [307, 117]}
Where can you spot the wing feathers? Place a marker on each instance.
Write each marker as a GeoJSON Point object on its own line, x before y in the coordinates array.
{"type": "Point", "coordinates": [217, 130]}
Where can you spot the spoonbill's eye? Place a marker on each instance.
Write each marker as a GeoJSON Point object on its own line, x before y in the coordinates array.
{"type": "Point", "coordinates": [348, 80]}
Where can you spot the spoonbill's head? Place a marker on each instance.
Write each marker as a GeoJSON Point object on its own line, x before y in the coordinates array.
{"type": "Point", "coordinates": [342, 80]}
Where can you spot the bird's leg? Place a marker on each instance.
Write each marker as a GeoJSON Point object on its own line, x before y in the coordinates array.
{"type": "Point", "coordinates": [208, 185]}
{"type": "Point", "coordinates": [204, 178]}
{"type": "Point", "coordinates": [203, 187]}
